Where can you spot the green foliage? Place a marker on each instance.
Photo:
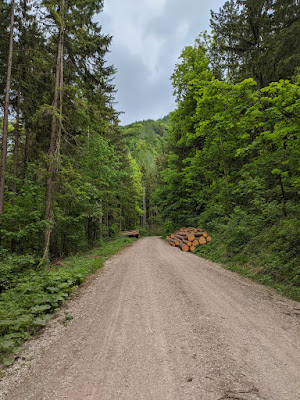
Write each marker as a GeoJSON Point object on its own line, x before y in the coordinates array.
{"type": "Point", "coordinates": [258, 39]}
{"type": "Point", "coordinates": [146, 141]}
{"type": "Point", "coordinates": [97, 188]}
{"type": "Point", "coordinates": [233, 168]}
{"type": "Point", "coordinates": [12, 267]}
{"type": "Point", "coordinates": [36, 294]}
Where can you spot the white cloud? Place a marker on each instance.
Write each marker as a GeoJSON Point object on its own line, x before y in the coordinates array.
{"type": "Point", "coordinates": [148, 37]}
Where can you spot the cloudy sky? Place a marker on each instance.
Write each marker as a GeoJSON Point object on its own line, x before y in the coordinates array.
{"type": "Point", "coordinates": [148, 37]}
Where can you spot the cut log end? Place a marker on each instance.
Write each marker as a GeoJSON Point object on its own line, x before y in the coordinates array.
{"type": "Point", "coordinates": [183, 247]}
{"type": "Point", "coordinates": [202, 240]}
{"type": "Point", "coordinates": [188, 239]}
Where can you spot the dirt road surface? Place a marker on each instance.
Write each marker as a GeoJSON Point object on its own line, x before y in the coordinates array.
{"type": "Point", "coordinates": [160, 324]}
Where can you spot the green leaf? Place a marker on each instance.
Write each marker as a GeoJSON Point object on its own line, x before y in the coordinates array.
{"type": "Point", "coordinates": [7, 344]}
{"type": "Point", "coordinates": [6, 322]}
{"type": "Point", "coordinates": [8, 361]}
{"type": "Point", "coordinates": [41, 321]}
{"type": "Point", "coordinates": [40, 308]}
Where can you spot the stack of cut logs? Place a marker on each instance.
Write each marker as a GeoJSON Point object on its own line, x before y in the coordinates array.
{"type": "Point", "coordinates": [188, 239]}
{"type": "Point", "coordinates": [135, 233]}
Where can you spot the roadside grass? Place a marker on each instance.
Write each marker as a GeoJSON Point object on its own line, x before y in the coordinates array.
{"type": "Point", "coordinates": [251, 264]}
{"type": "Point", "coordinates": [27, 306]}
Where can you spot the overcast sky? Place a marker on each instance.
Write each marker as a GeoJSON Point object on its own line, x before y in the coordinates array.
{"type": "Point", "coordinates": [148, 37]}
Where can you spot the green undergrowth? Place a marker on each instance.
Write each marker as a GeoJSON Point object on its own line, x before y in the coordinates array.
{"type": "Point", "coordinates": [260, 260]}
{"type": "Point", "coordinates": [27, 306]}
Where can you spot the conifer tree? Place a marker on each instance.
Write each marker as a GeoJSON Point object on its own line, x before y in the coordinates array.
{"type": "Point", "coordinates": [6, 107]}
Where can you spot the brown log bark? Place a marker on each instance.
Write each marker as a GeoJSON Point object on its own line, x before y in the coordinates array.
{"type": "Point", "coordinates": [190, 237]}
{"type": "Point", "coordinates": [179, 234]}
{"type": "Point", "coordinates": [134, 233]}
{"type": "Point", "coordinates": [187, 242]}
{"type": "Point", "coordinates": [183, 247]}
{"type": "Point", "coordinates": [198, 234]}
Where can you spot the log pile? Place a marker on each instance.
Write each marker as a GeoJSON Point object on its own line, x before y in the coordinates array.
{"type": "Point", "coordinates": [134, 233]}
{"type": "Point", "coordinates": [188, 239]}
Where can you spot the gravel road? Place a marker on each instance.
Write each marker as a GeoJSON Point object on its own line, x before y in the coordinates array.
{"type": "Point", "coordinates": [157, 323]}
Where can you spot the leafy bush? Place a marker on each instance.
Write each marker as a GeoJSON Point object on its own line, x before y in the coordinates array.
{"type": "Point", "coordinates": [12, 268]}
{"type": "Point", "coordinates": [27, 307]}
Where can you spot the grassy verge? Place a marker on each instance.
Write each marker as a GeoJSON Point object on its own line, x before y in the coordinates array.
{"type": "Point", "coordinates": [253, 264]}
{"type": "Point", "coordinates": [27, 307]}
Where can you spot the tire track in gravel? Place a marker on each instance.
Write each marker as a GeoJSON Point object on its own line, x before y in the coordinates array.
{"type": "Point", "coordinates": [161, 324]}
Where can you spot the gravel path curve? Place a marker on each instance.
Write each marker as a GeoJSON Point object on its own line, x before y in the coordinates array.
{"type": "Point", "coordinates": [157, 323]}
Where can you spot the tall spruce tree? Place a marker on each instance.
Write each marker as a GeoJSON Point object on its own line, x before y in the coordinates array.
{"type": "Point", "coordinates": [257, 38]}
{"type": "Point", "coordinates": [6, 107]}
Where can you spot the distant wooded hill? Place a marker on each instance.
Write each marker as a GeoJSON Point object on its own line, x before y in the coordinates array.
{"type": "Point", "coordinates": [147, 141]}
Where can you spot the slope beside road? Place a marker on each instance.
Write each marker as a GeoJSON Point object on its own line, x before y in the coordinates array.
{"type": "Point", "coordinates": [160, 324]}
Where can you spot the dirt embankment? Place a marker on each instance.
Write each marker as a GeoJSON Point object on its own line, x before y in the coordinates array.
{"type": "Point", "coordinates": [161, 324]}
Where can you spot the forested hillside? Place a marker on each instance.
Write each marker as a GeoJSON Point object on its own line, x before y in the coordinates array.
{"type": "Point", "coordinates": [147, 141]}
{"type": "Point", "coordinates": [234, 139]}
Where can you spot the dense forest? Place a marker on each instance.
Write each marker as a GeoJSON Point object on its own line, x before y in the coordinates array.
{"type": "Point", "coordinates": [226, 159]}
{"type": "Point", "coordinates": [68, 181]}
{"type": "Point", "coordinates": [147, 143]}
{"type": "Point", "coordinates": [67, 176]}
{"type": "Point", "coordinates": [234, 138]}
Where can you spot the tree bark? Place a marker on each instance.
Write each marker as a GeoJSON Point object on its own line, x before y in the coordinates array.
{"type": "Point", "coordinates": [183, 247]}
{"type": "Point", "coordinates": [16, 149]}
{"type": "Point", "coordinates": [100, 219]}
{"type": "Point", "coordinates": [6, 107]}
{"type": "Point", "coordinates": [55, 136]}
{"type": "Point", "coordinates": [144, 208]}
{"type": "Point", "coordinates": [283, 197]}
{"type": "Point", "coordinates": [225, 175]}
{"type": "Point", "coordinates": [26, 152]}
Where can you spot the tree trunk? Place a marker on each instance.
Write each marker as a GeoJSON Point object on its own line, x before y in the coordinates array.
{"type": "Point", "coordinates": [225, 175]}
{"type": "Point", "coordinates": [283, 197]}
{"type": "Point", "coordinates": [26, 152]}
{"type": "Point", "coordinates": [100, 220]}
{"type": "Point", "coordinates": [16, 149]}
{"type": "Point", "coordinates": [55, 137]}
{"type": "Point", "coordinates": [144, 208]}
{"type": "Point", "coordinates": [6, 107]}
